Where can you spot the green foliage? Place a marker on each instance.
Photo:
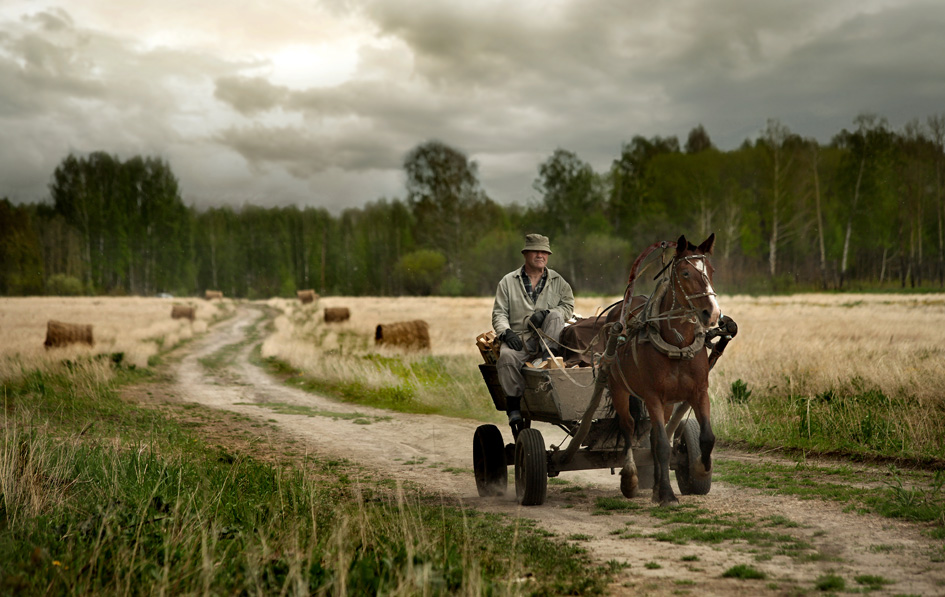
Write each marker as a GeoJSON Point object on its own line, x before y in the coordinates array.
{"type": "Point", "coordinates": [63, 285]}
{"type": "Point", "coordinates": [121, 226]}
{"type": "Point", "coordinates": [745, 572]}
{"type": "Point", "coordinates": [872, 582]}
{"type": "Point", "coordinates": [421, 271]}
{"type": "Point", "coordinates": [739, 393]}
{"type": "Point", "coordinates": [21, 258]}
{"type": "Point", "coordinates": [450, 286]}
{"type": "Point", "coordinates": [830, 582]}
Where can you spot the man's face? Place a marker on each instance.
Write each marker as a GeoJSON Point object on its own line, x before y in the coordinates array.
{"type": "Point", "coordinates": [536, 259]}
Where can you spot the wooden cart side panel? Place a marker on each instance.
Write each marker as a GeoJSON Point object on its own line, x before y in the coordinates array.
{"type": "Point", "coordinates": [556, 395]}
{"type": "Point", "coordinates": [491, 376]}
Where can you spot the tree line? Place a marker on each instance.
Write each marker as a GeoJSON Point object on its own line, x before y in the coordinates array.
{"type": "Point", "coordinates": [863, 211]}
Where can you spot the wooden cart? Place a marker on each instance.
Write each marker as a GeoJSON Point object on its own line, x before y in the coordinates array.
{"type": "Point", "coordinates": [562, 397]}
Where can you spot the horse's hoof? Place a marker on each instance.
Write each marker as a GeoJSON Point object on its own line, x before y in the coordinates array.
{"type": "Point", "coordinates": [669, 503]}
{"type": "Point", "coordinates": [629, 482]}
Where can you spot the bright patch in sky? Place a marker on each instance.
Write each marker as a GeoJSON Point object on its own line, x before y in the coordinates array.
{"type": "Point", "coordinates": [306, 66]}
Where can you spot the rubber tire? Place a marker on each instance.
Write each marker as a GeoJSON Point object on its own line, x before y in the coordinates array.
{"type": "Point", "coordinates": [531, 468]}
{"type": "Point", "coordinates": [688, 456]}
{"type": "Point", "coordinates": [492, 473]}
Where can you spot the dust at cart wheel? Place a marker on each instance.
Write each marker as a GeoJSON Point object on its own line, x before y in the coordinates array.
{"type": "Point", "coordinates": [492, 473]}
{"type": "Point", "coordinates": [688, 458]}
{"type": "Point", "coordinates": [531, 468]}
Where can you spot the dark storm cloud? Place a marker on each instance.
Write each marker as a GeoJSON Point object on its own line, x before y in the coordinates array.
{"type": "Point", "coordinates": [507, 83]}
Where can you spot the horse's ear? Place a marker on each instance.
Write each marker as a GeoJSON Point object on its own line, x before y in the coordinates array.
{"type": "Point", "coordinates": [681, 245]}
{"type": "Point", "coordinates": [707, 244]}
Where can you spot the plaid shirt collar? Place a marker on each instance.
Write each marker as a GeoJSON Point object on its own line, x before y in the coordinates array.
{"type": "Point", "coordinates": [533, 293]}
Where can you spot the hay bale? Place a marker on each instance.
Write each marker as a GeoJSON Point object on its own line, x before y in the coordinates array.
{"type": "Point", "coordinates": [335, 314]}
{"type": "Point", "coordinates": [182, 312]}
{"type": "Point", "coordinates": [406, 334]}
{"type": "Point", "coordinates": [59, 333]}
{"type": "Point", "coordinates": [213, 294]}
{"type": "Point", "coordinates": [306, 296]}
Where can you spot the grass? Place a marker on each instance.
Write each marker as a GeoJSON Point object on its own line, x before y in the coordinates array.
{"type": "Point", "coordinates": [744, 572]}
{"type": "Point", "coordinates": [830, 582]}
{"type": "Point", "coordinates": [854, 375]}
{"type": "Point", "coordinates": [872, 582]}
{"type": "Point", "coordinates": [686, 524]}
{"type": "Point", "coordinates": [100, 496]}
{"type": "Point", "coordinates": [295, 409]}
{"type": "Point", "coordinates": [917, 496]}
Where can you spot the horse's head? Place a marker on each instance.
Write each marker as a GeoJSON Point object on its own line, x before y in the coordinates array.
{"type": "Point", "coordinates": [692, 279]}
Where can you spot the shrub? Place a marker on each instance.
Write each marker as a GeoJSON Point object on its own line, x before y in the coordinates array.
{"type": "Point", "coordinates": [63, 285]}
{"type": "Point", "coordinates": [739, 393]}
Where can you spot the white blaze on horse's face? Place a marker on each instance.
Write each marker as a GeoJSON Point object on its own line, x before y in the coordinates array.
{"type": "Point", "coordinates": [714, 311]}
{"type": "Point", "coordinates": [709, 315]}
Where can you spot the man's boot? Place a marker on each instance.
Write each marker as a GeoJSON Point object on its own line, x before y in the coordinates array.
{"type": "Point", "coordinates": [513, 405]}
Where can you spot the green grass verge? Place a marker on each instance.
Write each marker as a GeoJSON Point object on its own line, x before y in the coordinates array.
{"type": "Point", "coordinates": [852, 419]}
{"type": "Point", "coordinates": [912, 495]}
{"type": "Point", "coordinates": [102, 497]}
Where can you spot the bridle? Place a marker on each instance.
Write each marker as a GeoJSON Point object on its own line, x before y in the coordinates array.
{"type": "Point", "coordinates": [703, 269]}
{"type": "Point", "coordinates": [650, 312]}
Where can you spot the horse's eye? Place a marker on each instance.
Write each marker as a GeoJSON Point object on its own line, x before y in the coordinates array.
{"type": "Point", "coordinates": [685, 274]}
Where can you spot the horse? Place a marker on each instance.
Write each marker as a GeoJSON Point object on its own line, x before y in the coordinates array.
{"type": "Point", "coordinates": [663, 361]}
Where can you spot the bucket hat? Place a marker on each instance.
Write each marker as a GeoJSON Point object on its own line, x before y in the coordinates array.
{"type": "Point", "coordinates": [537, 242]}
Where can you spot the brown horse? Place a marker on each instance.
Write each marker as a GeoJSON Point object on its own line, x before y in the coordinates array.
{"type": "Point", "coordinates": [663, 360]}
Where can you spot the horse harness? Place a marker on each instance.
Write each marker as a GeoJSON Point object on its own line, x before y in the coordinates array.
{"type": "Point", "coordinates": [644, 327]}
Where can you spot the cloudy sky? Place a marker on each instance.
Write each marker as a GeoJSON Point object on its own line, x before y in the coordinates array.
{"type": "Point", "coordinates": [310, 102]}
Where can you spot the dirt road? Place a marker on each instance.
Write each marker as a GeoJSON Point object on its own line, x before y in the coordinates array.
{"type": "Point", "coordinates": [436, 453]}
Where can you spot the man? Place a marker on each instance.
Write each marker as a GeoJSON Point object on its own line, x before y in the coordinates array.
{"type": "Point", "coordinates": [528, 299]}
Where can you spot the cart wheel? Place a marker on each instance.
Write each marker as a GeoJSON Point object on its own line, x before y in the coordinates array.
{"type": "Point", "coordinates": [492, 476]}
{"type": "Point", "coordinates": [531, 468]}
{"type": "Point", "coordinates": [689, 461]}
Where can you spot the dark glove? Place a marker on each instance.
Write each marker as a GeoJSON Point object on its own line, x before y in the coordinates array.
{"type": "Point", "coordinates": [538, 318]}
{"type": "Point", "coordinates": [512, 339]}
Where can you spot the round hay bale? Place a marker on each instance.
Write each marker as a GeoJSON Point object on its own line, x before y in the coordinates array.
{"type": "Point", "coordinates": [59, 334]}
{"type": "Point", "coordinates": [182, 312]}
{"type": "Point", "coordinates": [213, 294]}
{"type": "Point", "coordinates": [405, 334]}
{"type": "Point", "coordinates": [336, 314]}
{"type": "Point", "coordinates": [306, 296]}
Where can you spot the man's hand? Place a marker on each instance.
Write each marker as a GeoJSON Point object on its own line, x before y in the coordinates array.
{"type": "Point", "coordinates": [538, 318]}
{"type": "Point", "coordinates": [512, 339]}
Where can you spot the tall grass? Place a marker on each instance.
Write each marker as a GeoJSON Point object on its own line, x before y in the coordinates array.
{"type": "Point", "coordinates": [857, 374]}
{"type": "Point", "coordinates": [98, 496]}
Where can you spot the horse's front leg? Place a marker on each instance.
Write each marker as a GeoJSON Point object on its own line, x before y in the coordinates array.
{"type": "Point", "coordinates": [706, 437]}
{"type": "Point", "coordinates": [659, 444]}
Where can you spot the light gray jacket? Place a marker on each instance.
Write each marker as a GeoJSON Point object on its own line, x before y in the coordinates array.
{"type": "Point", "coordinates": [513, 306]}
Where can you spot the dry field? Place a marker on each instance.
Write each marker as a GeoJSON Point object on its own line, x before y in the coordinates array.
{"type": "Point", "coordinates": [801, 346]}
{"type": "Point", "coordinates": [803, 343]}
{"type": "Point", "coordinates": [138, 327]}
{"type": "Point", "coordinates": [806, 344]}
